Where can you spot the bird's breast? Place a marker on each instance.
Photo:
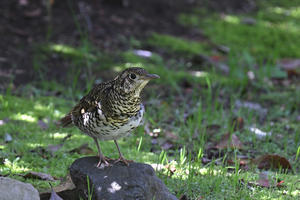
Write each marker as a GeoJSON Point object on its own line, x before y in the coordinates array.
{"type": "Point", "coordinates": [107, 127]}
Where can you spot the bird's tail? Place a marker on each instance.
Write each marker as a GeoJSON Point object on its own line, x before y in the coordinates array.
{"type": "Point", "coordinates": [65, 121]}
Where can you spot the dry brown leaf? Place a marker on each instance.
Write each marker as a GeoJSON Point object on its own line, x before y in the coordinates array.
{"type": "Point", "coordinates": [51, 2]}
{"type": "Point", "coordinates": [238, 123]}
{"type": "Point", "coordinates": [65, 188]}
{"type": "Point", "coordinates": [66, 184]}
{"type": "Point", "coordinates": [272, 161]}
{"type": "Point", "coordinates": [291, 66]}
{"type": "Point", "coordinates": [39, 175]}
{"type": "Point", "coordinates": [171, 169]}
{"type": "Point", "coordinates": [265, 182]}
{"type": "Point", "coordinates": [229, 142]}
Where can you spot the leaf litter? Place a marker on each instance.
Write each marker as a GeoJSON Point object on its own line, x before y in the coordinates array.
{"type": "Point", "coordinates": [39, 175]}
{"type": "Point", "coordinates": [65, 189]}
{"type": "Point", "coordinates": [229, 141]}
{"type": "Point", "coordinates": [272, 161]}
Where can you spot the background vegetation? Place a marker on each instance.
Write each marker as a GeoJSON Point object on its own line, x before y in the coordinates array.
{"type": "Point", "coordinates": [222, 122]}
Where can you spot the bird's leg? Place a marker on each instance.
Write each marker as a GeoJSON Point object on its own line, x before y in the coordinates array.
{"type": "Point", "coordinates": [102, 158]}
{"type": "Point", "coordinates": [121, 157]}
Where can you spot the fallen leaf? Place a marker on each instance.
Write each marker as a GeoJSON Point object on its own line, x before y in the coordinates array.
{"type": "Point", "coordinates": [39, 175]}
{"type": "Point", "coordinates": [272, 161]}
{"type": "Point", "coordinates": [241, 162]}
{"type": "Point", "coordinates": [263, 180]}
{"type": "Point", "coordinates": [291, 66]}
{"type": "Point", "coordinates": [238, 123]}
{"type": "Point", "coordinates": [228, 141]}
{"type": "Point", "coordinates": [66, 189]}
{"type": "Point", "coordinates": [171, 169]}
{"type": "Point", "coordinates": [51, 2]}
{"type": "Point", "coordinates": [66, 184]}
{"type": "Point", "coordinates": [83, 149]}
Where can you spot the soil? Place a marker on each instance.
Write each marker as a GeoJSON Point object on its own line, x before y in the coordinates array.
{"type": "Point", "coordinates": [109, 24]}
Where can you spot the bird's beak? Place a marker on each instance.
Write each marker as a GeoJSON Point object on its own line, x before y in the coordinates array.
{"type": "Point", "coordinates": [151, 76]}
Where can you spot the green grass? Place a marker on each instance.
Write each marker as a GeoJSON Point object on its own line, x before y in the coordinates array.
{"type": "Point", "coordinates": [177, 45]}
{"type": "Point", "coordinates": [274, 34]}
{"type": "Point", "coordinates": [183, 101]}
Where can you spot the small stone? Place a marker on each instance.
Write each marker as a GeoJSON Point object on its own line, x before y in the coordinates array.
{"type": "Point", "coordinates": [17, 190]}
{"type": "Point", "coordinates": [118, 181]}
{"type": "Point", "coordinates": [7, 138]}
{"type": "Point", "coordinates": [249, 21]}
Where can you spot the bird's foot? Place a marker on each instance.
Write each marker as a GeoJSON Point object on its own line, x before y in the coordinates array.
{"type": "Point", "coordinates": [104, 161]}
{"type": "Point", "coordinates": [122, 159]}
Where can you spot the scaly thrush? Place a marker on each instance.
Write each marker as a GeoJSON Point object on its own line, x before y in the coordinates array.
{"type": "Point", "coordinates": [112, 109]}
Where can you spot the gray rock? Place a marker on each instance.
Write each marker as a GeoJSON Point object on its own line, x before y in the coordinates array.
{"type": "Point", "coordinates": [17, 190]}
{"type": "Point", "coordinates": [118, 182]}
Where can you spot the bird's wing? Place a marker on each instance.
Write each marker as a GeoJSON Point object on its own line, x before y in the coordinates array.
{"type": "Point", "coordinates": [88, 103]}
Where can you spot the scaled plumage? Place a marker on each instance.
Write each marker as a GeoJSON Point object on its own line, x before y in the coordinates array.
{"type": "Point", "coordinates": [111, 110]}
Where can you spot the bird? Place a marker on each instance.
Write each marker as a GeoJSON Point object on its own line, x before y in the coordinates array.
{"type": "Point", "coordinates": [111, 110]}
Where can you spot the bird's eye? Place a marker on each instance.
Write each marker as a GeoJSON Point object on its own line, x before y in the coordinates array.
{"type": "Point", "coordinates": [132, 76]}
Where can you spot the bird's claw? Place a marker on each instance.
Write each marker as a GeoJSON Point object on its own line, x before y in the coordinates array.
{"type": "Point", "coordinates": [122, 159]}
{"type": "Point", "coordinates": [105, 161]}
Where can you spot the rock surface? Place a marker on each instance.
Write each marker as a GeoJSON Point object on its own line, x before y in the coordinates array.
{"type": "Point", "coordinates": [118, 181]}
{"type": "Point", "coordinates": [17, 190]}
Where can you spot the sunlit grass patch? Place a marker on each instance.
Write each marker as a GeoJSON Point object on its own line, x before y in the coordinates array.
{"type": "Point", "coordinates": [177, 44]}
{"type": "Point", "coordinates": [265, 38]}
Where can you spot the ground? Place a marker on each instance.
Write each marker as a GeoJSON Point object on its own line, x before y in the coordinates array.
{"type": "Point", "coordinates": [228, 92]}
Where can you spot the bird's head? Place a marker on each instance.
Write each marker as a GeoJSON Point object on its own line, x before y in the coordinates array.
{"type": "Point", "coordinates": [133, 80]}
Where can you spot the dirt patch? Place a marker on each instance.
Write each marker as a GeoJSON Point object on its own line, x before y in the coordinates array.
{"type": "Point", "coordinates": [109, 24]}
